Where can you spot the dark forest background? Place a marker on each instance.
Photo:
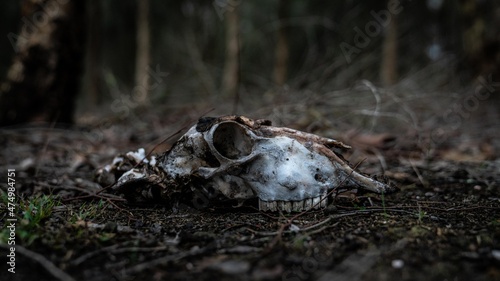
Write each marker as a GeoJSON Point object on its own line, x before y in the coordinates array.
{"type": "Point", "coordinates": [237, 56]}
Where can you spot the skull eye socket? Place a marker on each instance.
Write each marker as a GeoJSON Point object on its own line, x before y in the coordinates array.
{"type": "Point", "coordinates": [232, 141]}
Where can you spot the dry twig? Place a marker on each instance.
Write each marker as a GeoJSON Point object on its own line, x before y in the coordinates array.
{"type": "Point", "coordinates": [44, 262]}
{"type": "Point", "coordinates": [162, 261]}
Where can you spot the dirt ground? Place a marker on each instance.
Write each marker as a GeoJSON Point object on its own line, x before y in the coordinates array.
{"type": "Point", "coordinates": [443, 224]}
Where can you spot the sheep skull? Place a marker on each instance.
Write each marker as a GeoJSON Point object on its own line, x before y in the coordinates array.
{"type": "Point", "coordinates": [234, 157]}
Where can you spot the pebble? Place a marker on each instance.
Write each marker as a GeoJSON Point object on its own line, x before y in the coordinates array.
{"type": "Point", "coordinates": [397, 264]}
{"type": "Point", "coordinates": [294, 228]}
{"type": "Point", "coordinates": [232, 267]}
{"type": "Point", "coordinates": [496, 254]}
{"type": "Point", "coordinates": [429, 194]}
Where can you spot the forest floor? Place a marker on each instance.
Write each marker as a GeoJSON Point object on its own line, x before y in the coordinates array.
{"type": "Point", "coordinates": [442, 224]}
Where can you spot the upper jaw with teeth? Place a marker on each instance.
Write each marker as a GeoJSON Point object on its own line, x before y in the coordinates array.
{"type": "Point", "coordinates": [234, 157]}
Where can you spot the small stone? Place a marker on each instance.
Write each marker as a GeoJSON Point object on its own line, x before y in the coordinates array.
{"type": "Point", "coordinates": [26, 164]}
{"type": "Point", "coordinates": [156, 228]}
{"type": "Point", "coordinates": [496, 254]}
{"type": "Point", "coordinates": [232, 267]}
{"type": "Point", "coordinates": [294, 228]}
{"type": "Point", "coordinates": [477, 187]}
{"type": "Point", "coordinates": [397, 263]}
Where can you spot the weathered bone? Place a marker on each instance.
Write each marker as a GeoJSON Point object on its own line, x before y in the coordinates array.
{"type": "Point", "coordinates": [240, 158]}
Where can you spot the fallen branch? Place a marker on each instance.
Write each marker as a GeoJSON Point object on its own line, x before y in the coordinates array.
{"type": "Point", "coordinates": [44, 262]}
{"type": "Point", "coordinates": [267, 233]}
{"type": "Point", "coordinates": [114, 249]}
{"type": "Point", "coordinates": [162, 261]}
{"type": "Point", "coordinates": [89, 255]}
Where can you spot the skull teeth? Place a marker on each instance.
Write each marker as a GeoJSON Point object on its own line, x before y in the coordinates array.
{"type": "Point", "coordinates": [294, 206]}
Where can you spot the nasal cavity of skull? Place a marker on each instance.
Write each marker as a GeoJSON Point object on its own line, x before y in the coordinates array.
{"type": "Point", "coordinates": [232, 141]}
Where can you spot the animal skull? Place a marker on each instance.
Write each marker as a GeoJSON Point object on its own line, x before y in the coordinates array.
{"type": "Point", "coordinates": [234, 157]}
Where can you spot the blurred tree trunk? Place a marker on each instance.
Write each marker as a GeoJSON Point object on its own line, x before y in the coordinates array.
{"type": "Point", "coordinates": [231, 76]}
{"type": "Point", "coordinates": [94, 46]}
{"type": "Point", "coordinates": [193, 49]}
{"type": "Point", "coordinates": [282, 48]}
{"type": "Point", "coordinates": [143, 51]}
{"type": "Point", "coordinates": [389, 65]}
{"type": "Point", "coordinates": [480, 37]}
{"type": "Point", "coordinates": [43, 80]}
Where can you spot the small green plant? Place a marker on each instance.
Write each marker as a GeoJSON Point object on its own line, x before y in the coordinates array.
{"type": "Point", "coordinates": [87, 211]}
{"type": "Point", "coordinates": [106, 236]}
{"type": "Point", "coordinates": [421, 215]}
{"type": "Point", "coordinates": [3, 197]}
{"type": "Point", "coordinates": [31, 213]}
{"type": "Point", "coordinates": [34, 211]}
{"type": "Point", "coordinates": [299, 241]}
{"type": "Point", "coordinates": [360, 208]}
{"type": "Point", "coordinates": [37, 209]}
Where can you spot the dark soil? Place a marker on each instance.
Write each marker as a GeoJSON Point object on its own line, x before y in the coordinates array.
{"type": "Point", "coordinates": [443, 224]}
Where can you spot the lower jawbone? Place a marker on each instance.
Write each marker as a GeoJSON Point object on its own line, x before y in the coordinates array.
{"type": "Point", "coordinates": [234, 157]}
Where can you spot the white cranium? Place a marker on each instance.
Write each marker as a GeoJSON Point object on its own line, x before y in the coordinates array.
{"type": "Point", "coordinates": [241, 159]}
